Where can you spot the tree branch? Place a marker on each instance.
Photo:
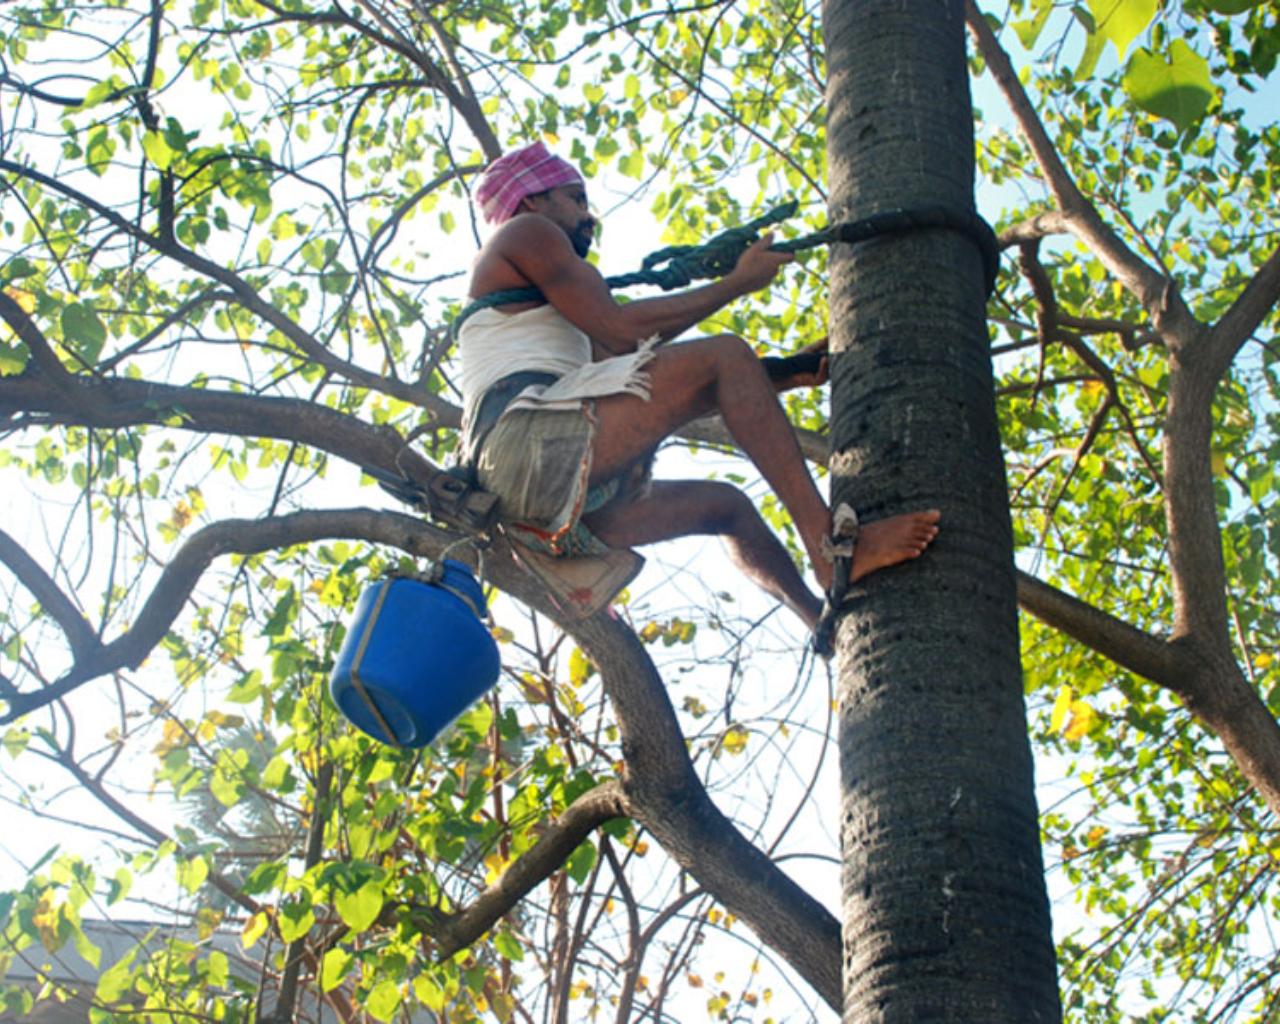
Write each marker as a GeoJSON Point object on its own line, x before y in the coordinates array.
{"type": "Point", "coordinates": [1033, 229]}
{"type": "Point", "coordinates": [1213, 688]}
{"type": "Point", "coordinates": [1158, 294]}
{"type": "Point", "coordinates": [296, 953]}
{"type": "Point", "coordinates": [1238, 323]}
{"type": "Point", "coordinates": [561, 837]}
{"type": "Point", "coordinates": [244, 293]}
{"type": "Point", "coordinates": [43, 358]}
{"type": "Point", "coordinates": [669, 799]}
{"type": "Point", "coordinates": [114, 402]}
{"type": "Point", "coordinates": [180, 576]}
{"type": "Point", "coordinates": [81, 638]}
{"type": "Point", "coordinates": [1132, 648]}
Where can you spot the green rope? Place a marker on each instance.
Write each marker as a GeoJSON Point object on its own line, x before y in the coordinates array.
{"type": "Point", "coordinates": [714, 258]}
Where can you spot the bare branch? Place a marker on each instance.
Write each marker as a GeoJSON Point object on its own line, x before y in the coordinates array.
{"type": "Point", "coordinates": [297, 951]}
{"type": "Point", "coordinates": [99, 792]}
{"type": "Point", "coordinates": [80, 635]}
{"type": "Point", "coordinates": [115, 402]}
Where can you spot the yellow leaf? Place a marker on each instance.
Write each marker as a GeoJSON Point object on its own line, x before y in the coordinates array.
{"type": "Point", "coordinates": [735, 740]}
{"type": "Point", "coordinates": [25, 300]}
{"type": "Point", "coordinates": [1219, 463]}
{"type": "Point", "coordinates": [1263, 660]}
{"type": "Point", "coordinates": [494, 864]}
{"type": "Point", "coordinates": [253, 929]}
{"type": "Point", "coordinates": [1083, 718]}
{"type": "Point", "coordinates": [1096, 835]}
{"type": "Point", "coordinates": [580, 667]}
{"type": "Point", "coordinates": [46, 921]}
{"type": "Point", "coordinates": [181, 515]}
{"type": "Point", "coordinates": [1060, 708]}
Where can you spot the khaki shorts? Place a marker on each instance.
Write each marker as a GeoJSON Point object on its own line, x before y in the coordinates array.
{"type": "Point", "coordinates": [538, 461]}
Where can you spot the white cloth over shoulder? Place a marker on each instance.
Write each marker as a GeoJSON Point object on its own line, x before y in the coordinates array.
{"type": "Point", "coordinates": [494, 345]}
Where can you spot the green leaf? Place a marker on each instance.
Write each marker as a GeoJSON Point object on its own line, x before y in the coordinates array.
{"type": "Point", "coordinates": [1029, 30]}
{"type": "Point", "coordinates": [254, 929]}
{"type": "Point", "coordinates": [508, 946]}
{"type": "Point", "coordinates": [16, 269]}
{"type": "Point", "coordinates": [383, 1001]}
{"type": "Point", "coordinates": [218, 969]}
{"type": "Point", "coordinates": [1232, 6]}
{"type": "Point", "coordinates": [632, 165]}
{"type": "Point", "coordinates": [580, 862]}
{"type": "Point", "coordinates": [83, 332]}
{"type": "Point", "coordinates": [157, 150]}
{"type": "Point", "coordinates": [246, 688]}
{"type": "Point", "coordinates": [118, 886]}
{"type": "Point", "coordinates": [359, 909]}
{"type": "Point", "coordinates": [1176, 89]}
{"type": "Point", "coordinates": [1089, 58]}
{"type": "Point", "coordinates": [430, 994]}
{"type": "Point", "coordinates": [16, 740]}
{"type": "Point", "coordinates": [91, 953]}
{"type": "Point", "coordinates": [117, 979]}
{"type": "Point", "coordinates": [13, 358]}
{"type": "Point", "coordinates": [295, 920]}
{"type": "Point", "coordinates": [192, 873]}
{"type": "Point", "coordinates": [1122, 21]}
{"type": "Point", "coordinates": [1060, 708]}
{"type": "Point", "coordinates": [333, 970]}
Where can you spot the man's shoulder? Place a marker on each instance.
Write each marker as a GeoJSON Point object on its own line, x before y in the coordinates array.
{"type": "Point", "coordinates": [526, 228]}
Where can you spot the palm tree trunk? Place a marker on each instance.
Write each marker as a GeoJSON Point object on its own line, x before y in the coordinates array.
{"type": "Point", "coordinates": [945, 912]}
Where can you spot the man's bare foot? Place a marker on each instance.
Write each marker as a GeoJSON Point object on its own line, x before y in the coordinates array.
{"type": "Point", "coordinates": [882, 543]}
{"type": "Point", "coordinates": [896, 539]}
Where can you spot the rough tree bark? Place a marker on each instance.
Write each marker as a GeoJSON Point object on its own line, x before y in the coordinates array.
{"type": "Point", "coordinates": [945, 911]}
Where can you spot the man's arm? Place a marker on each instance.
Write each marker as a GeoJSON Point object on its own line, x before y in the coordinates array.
{"type": "Point", "coordinates": [541, 253]}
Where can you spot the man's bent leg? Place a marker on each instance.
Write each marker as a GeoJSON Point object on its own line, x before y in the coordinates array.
{"type": "Point", "coordinates": [697, 377]}
{"type": "Point", "coordinates": [704, 507]}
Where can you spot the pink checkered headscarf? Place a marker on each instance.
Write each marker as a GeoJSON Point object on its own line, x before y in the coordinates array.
{"type": "Point", "coordinates": [523, 172]}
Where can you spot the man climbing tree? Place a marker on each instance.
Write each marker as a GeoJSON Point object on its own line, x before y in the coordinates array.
{"type": "Point", "coordinates": [568, 396]}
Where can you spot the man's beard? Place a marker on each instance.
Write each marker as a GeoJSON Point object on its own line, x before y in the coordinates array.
{"type": "Point", "coordinates": [581, 239]}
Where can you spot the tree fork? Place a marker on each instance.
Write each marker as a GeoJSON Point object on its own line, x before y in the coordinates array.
{"type": "Point", "coordinates": [945, 912]}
